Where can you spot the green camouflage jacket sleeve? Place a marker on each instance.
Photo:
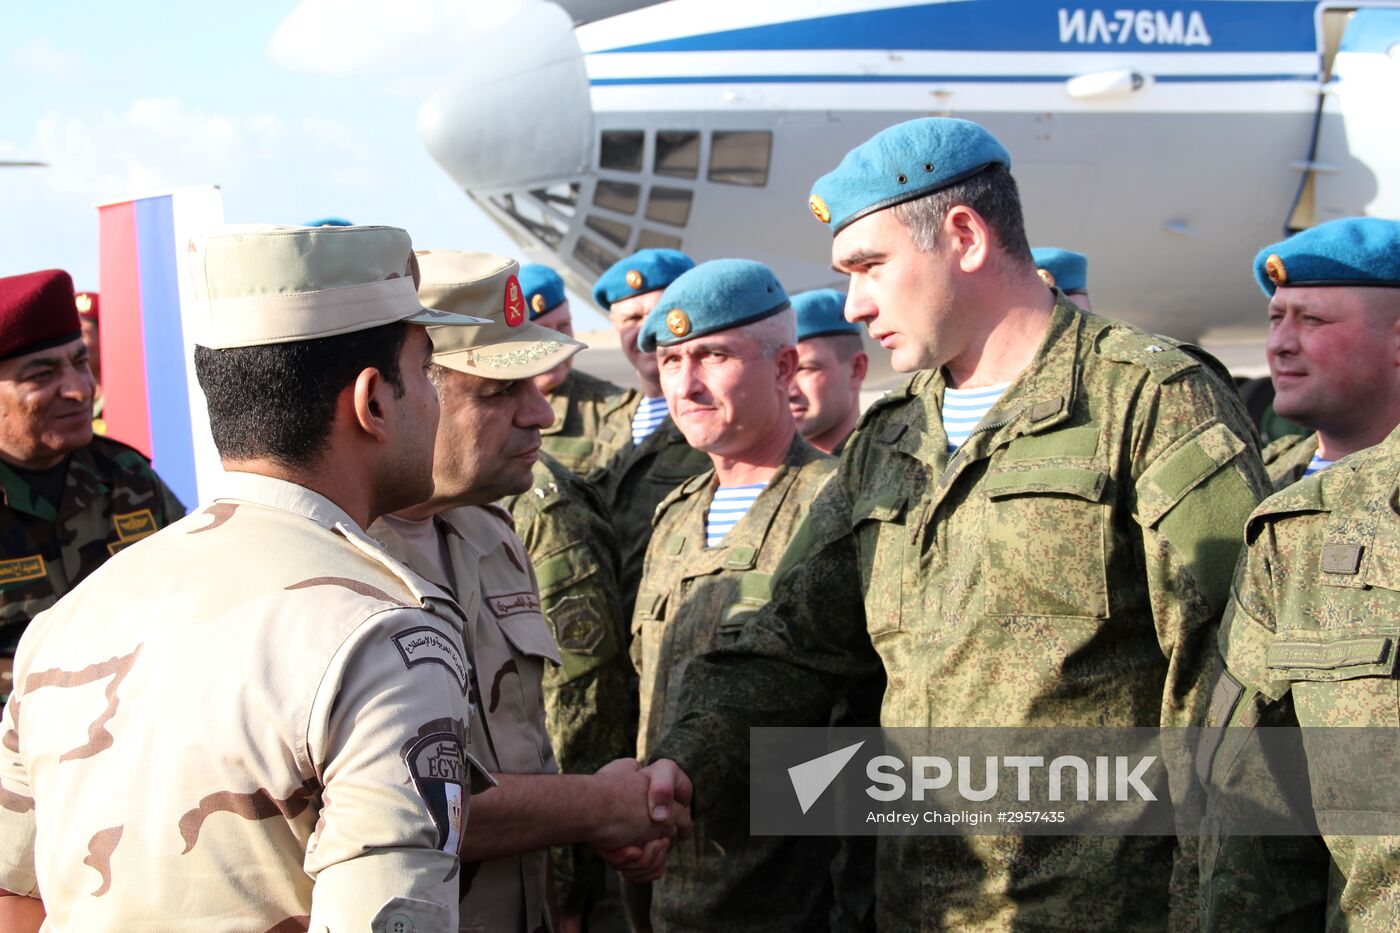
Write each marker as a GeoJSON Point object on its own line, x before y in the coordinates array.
{"type": "Point", "coordinates": [590, 703]}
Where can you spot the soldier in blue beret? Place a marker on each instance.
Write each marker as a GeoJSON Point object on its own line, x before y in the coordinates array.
{"type": "Point", "coordinates": [831, 367]}
{"type": "Point", "coordinates": [724, 335]}
{"type": "Point", "coordinates": [1334, 357]}
{"type": "Point", "coordinates": [1334, 295]}
{"type": "Point", "coordinates": [1066, 270]}
{"type": "Point", "coordinates": [1037, 529]}
{"type": "Point", "coordinates": [654, 458]}
{"type": "Point", "coordinates": [590, 414]}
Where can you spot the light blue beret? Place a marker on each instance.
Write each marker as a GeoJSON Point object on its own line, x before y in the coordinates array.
{"type": "Point", "coordinates": [543, 288]}
{"type": "Point", "coordinates": [820, 314]}
{"type": "Point", "coordinates": [1062, 268]}
{"type": "Point", "coordinates": [646, 270]}
{"type": "Point", "coordinates": [328, 222]}
{"type": "Point", "coordinates": [1350, 251]}
{"type": "Point", "coordinates": [904, 162]}
{"type": "Point", "coordinates": [713, 296]}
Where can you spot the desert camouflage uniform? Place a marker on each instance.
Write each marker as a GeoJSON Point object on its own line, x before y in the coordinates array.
{"type": "Point", "coordinates": [634, 484]}
{"type": "Point", "coordinates": [509, 644]}
{"type": "Point", "coordinates": [592, 422]}
{"type": "Point", "coordinates": [1067, 567]}
{"type": "Point", "coordinates": [588, 700]}
{"type": "Point", "coordinates": [254, 721]}
{"type": "Point", "coordinates": [694, 598]}
{"type": "Point", "coordinates": [1286, 458]}
{"type": "Point", "coordinates": [1310, 639]}
{"type": "Point", "coordinates": [111, 498]}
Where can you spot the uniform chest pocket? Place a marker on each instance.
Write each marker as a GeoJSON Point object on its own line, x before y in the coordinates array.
{"type": "Point", "coordinates": [573, 452]}
{"type": "Point", "coordinates": [882, 538]}
{"type": "Point", "coordinates": [755, 591]}
{"type": "Point", "coordinates": [1045, 550]}
{"type": "Point", "coordinates": [1339, 678]}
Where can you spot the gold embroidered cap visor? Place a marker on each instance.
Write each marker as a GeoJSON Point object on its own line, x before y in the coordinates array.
{"type": "Point", "coordinates": [483, 285]}
{"type": "Point", "coordinates": [262, 284]}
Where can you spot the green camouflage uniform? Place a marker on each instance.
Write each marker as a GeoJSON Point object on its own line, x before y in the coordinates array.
{"type": "Point", "coordinates": [982, 583]}
{"type": "Point", "coordinates": [589, 702]}
{"type": "Point", "coordinates": [694, 598]}
{"type": "Point", "coordinates": [592, 422]}
{"type": "Point", "coordinates": [634, 484]}
{"type": "Point", "coordinates": [1317, 580]}
{"type": "Point", "coordinates": [111, 498]}
{"type": "Point", "coordinates": [1286, 458]}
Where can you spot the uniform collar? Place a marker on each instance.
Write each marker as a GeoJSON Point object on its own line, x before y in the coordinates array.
{"type": "Point", "coordinates": [285, 495]}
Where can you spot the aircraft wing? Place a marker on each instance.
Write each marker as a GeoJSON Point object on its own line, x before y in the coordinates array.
{"type": "Point", "coordinates": [587, 11]}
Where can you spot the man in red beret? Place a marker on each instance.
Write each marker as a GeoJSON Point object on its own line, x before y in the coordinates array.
{"type": "Point", "coordinates": [68, 500]}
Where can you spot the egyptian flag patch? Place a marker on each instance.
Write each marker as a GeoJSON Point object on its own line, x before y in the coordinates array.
{"type": "Point", "coordinates": [439, 769]}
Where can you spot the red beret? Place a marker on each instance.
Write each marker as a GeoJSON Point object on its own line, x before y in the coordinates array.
{"type": "Point", "coordinates": [88, 306]}
{"type": "Point", "coordinates": [36, 312]}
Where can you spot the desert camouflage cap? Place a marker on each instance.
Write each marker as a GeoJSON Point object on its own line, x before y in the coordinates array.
{"type": "Point", "coordinates": [260, 284]}
{"type": "Point", "coordinates": [483, 285]}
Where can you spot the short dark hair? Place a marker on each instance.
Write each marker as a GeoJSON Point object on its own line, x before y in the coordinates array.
{"type": "Point", "coordinates": [992, 193]}
{"type": "Point", "coordinates": [277, 401]}
{"type": "Point", "coordinates": [845, 346]}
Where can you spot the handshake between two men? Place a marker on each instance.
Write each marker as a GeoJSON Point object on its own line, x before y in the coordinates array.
{"type": "Point", "coordinates": [629, 814]}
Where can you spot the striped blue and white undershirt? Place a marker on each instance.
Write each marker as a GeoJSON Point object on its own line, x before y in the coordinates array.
{"type": "Point", "coordinates": [650, 413]}
{"type": "Point", "coordinates": [1317, 465]}
{"type": "Point", "coordinates": [730, 505]}
{"type": "Point", "coordinates": [964, 408]}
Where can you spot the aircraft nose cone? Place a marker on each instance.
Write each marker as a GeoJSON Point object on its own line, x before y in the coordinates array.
{"type": "Point", "coordinates": [517, 115]}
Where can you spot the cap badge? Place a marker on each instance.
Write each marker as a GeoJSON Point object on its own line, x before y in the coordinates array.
{"type": "Point", "coordinates": [537, 304]}
{"type": "Point", "coordinates": [678, 322]}
{"type": "Point", "coordinates": [1273, 268]}
{"type": "Point", "coordinates": [1046, 276]}
{"type": "Point", "coordinates": [84, 302]}
{"type": "Point", "coordinates": [515, 303]}
{"type": "Point", "coordinates": [634, 279]}
{"type": "Point", "coordinates": [819, 208]}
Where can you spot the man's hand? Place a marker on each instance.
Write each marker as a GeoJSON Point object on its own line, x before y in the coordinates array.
{"type": "Point", "coordinates": [642, 858]}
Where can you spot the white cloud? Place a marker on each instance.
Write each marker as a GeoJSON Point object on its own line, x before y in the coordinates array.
{"type": "Point", "coordinates": [39, 56]}
{"type": "Point", "coordinates": [345, 37]}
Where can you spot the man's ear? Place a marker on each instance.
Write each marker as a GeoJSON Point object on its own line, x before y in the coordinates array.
{"type": "Point", "coordinates": [369, 396]}
{"type": "Point", "coordinates": [787, 365]}
{"type": "Point", "coordinates": [969, 236]}
{"type": "Point", "coordinates": [860, 365]}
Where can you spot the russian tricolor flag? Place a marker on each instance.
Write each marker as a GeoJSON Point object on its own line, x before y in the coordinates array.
{"type": "Point", "coordinates": [152, 399]}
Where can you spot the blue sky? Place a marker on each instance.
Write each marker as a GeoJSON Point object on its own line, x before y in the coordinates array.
{"type": "Point", "coordinates": [296, 110]}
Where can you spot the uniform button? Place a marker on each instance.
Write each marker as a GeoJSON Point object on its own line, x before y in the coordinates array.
{"type": "Point", "coordinates": [400, 923]}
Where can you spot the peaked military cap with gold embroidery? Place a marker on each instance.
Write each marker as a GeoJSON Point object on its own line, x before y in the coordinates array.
{"type": "Point", "coordinates": [1361, 251]}
{"type": "Point", "coordinates": [714, 296]}
{"type": "Point", "coordinates": [509, 346]}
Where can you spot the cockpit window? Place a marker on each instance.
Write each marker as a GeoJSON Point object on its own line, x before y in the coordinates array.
{"type": "Point", "coordinates": [594, 256]}
{"type": "Point", "coordinates": [619, 196]}
{"type": "Point", "coordinates": [669, 205]}
{"type": "Point", "coordinates": [677, 153]}
{"type": "Point", "coordinates": [650, 239]}
{"type": "Point", "coordinates": [622, 150]}
{"type": "Point", "coordinates": [611, 230]}
{"type": "Point", "coordinates": [740, 157]}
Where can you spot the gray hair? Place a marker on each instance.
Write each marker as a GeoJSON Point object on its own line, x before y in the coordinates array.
{"type": "Point", "coordinates": [772, 333]}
